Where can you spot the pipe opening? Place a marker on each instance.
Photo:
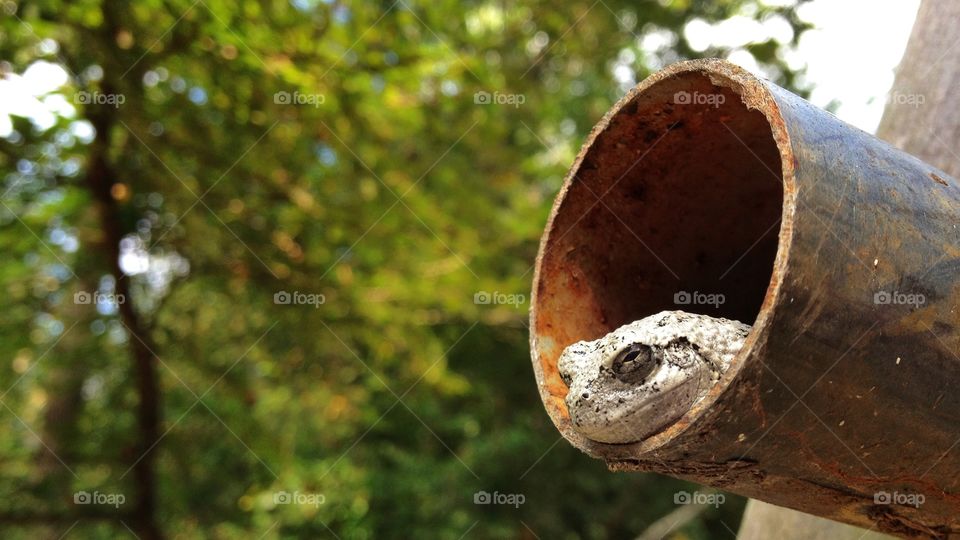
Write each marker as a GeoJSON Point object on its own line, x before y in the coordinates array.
{"type": "Point", "coordinates": [676, 204]}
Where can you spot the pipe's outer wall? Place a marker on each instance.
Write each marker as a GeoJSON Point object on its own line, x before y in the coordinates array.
{"type": "Point", "coordinates": [839, 401]}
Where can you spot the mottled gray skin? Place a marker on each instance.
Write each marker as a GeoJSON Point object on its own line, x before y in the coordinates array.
{"type": "Point", "coordinates": [642, 377]}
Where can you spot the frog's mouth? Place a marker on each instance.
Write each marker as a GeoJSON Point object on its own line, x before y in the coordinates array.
{"type": "Point", "coordinates": [619, 417]}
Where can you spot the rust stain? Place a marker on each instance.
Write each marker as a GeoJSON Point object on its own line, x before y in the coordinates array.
{"type": "Point", "coordinates": [936, 178]}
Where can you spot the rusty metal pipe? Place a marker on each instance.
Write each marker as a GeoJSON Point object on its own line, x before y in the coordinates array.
{"type": "Point", "coordinates": [840, 250]}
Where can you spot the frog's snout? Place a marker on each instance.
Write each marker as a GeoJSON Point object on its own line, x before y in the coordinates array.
{"type": "Point", "coordinates": [567, 365]}
{"type": "Point", "coordinates": [577, 402]}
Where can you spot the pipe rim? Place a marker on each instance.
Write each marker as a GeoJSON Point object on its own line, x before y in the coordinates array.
{"type": "Point", "coordinates": [755, 95]}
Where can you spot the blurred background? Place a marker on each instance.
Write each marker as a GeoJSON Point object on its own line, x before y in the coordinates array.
{"type": "Point", "coordinates": [266, 263]}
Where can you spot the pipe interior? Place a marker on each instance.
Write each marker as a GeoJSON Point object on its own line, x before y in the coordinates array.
{"type": "Point", "coordinates": [676, 205]}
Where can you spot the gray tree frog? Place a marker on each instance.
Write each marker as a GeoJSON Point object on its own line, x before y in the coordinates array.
{"type": "Point", "coordinates": [642, 377]}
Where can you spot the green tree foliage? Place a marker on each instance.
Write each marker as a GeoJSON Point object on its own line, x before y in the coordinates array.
{"type": "Point", "coordinates": [383, 163]}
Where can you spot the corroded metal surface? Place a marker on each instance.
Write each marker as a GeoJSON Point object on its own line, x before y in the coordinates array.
{"type": "Point", "coordinates": [841, 251]}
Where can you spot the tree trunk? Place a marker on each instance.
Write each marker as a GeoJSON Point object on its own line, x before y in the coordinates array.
{"type": "Point", "coordinates": [763, 520]}
{"type": "Point", "coordinates": [922, 117]}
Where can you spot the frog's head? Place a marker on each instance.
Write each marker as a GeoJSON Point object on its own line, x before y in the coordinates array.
{"type": "Point", "coordinates": [628, 384]}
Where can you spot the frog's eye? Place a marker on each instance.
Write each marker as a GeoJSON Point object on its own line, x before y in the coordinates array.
{"type": "Point", "coordinates": [634, 363]}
